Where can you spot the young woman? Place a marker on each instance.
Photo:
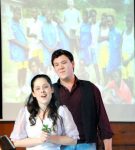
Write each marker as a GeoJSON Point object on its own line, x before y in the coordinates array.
{"type": "Point", "coordinates": [41, 124]}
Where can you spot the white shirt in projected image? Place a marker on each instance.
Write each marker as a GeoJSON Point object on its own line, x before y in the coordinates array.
{"type": "Point", "coordinates": [73, 22]}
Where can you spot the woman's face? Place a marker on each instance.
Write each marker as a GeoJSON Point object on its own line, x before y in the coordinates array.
{"type": "Point", "coordinates": [42, 91]}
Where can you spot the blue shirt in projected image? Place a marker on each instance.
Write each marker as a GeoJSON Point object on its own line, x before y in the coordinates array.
{"type": "Point", "coordinates": [50, 37]}
{"type": "Point", "coordinates": [85, 41]}
{"type": "Point", "coordinates": [114, 50]}
{"type": "Point", "coordinates": [64, 39]}
{"type": "Point", "coordinates": [17, 53]}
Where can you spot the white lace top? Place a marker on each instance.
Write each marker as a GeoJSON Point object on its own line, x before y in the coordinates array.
{"type": "Point", "coordinates": [23, 129]}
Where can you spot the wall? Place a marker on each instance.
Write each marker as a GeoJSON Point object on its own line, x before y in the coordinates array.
{"type": "Point", "coordinates": [6, 128]}
{"type": "Point", "coordinates": [124, 134]}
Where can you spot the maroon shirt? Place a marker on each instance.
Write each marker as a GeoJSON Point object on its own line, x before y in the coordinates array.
{"type": "Point", "coordinates": [72, 99]}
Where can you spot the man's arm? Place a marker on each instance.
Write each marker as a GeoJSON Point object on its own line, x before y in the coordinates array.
{"type": "Point", "coordinates": [104, 127]}
{"type": "Point", "coordinates": [108, 144]}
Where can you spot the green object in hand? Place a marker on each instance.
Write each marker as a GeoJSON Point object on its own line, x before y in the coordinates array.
{"type": "Point", "coordinates": [46, 128]}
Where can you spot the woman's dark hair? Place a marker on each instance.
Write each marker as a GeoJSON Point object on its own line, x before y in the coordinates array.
{"type": "Point", "coordinates": [33, 107]}
{"type": "Point", "coordinates": [60, 52]}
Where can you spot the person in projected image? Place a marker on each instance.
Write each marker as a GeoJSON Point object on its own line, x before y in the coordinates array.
{"type": "Point", "coordinates": [18, 46]}
{"type": "Point", "coordinates": [42, 124]}
{"type": "Point", "coordinates": [64, 42]}
{"type": "Point", "coordinates": [117, 91]}
{"type": "Point", "coordinates": [114, 58]}
{"type": "Point", "coordinates": [82, 71]}
{"type": "Point", "coordinates": [72, 24]}
{"type": "Point", "coordinates": [33, 32]}
{"type": "Point", "coordinates": [84, 101]}
{"type": "Point", "coordinates": [103, 46]}
{"type": "Point", "coordinates": [85, 39]}
{"type": "Point", "coordinates": [33, 69]}
{"type": "Point", "coordinates": [128, 53]}
{"type": "Point", "coordinates": [49, 39]}
{"type": "Point", "coordinates": [93, 48]}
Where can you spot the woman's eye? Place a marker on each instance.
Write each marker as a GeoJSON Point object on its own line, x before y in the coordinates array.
{"type": "Point", "coordinates": [45, 87]}
{"type": "Point", "coordinates": [36, 89]}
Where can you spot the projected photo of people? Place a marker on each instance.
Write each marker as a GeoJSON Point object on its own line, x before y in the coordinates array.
{"type": "Point", "coordinates": [100, 35]}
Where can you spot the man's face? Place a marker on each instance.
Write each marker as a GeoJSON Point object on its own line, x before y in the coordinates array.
{"type": "Point", "coordinates": [34, 13]}
{"type": "Point", "coordinates": [129, 23]}
{"type": "Point", "coordinates": [110, 21]}
{"type": "Point", "coordinates": [17, 14]}
{"type": "Point", "coordinates": [63, 67]}
{"type": "Point", "coordinates": [70, 3]}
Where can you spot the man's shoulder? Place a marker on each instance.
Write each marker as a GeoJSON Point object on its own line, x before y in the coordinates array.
{"type": "Point", "coordinates": [88, 83]}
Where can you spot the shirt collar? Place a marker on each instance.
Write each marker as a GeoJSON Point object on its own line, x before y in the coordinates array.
{"type": "Point", "coordinates": [76, 82]}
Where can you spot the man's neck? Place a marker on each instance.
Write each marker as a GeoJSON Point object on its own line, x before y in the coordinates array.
{"type": "Point", "coordinates": [68, 83]}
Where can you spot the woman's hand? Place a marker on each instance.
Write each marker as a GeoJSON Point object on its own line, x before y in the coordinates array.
{"type": "Point", "coordinates": [44, 136]}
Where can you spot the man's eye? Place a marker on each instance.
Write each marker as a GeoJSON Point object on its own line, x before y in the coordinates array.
{"type": "Point", "coordinates": [55, 65]}
{"type": "Point", "coordinates": [64, 62]}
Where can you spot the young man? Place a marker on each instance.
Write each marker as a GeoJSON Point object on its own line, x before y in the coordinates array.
{"type": "Point", "coordinates": [84, 101]}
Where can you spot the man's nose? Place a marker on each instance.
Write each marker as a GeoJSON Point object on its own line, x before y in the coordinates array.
{"type": "Point", "coordinates": [60, 66]}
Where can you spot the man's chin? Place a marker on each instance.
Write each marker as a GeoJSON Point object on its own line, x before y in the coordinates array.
{"type": "Point", "coordinates": [63, 77]}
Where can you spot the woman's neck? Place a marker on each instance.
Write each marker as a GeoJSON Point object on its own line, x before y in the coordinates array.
{"type": "Point", "coordinates": [42, 107]}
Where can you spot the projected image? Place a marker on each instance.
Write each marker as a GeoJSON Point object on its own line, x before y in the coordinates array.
{"type": "Point", "coordinates": [100, 35]}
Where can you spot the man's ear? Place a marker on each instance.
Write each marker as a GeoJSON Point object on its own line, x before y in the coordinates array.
{"type": "Point", "coordinates": [73, 64]}
{"type": "Point", "coordinates": [52, 90]}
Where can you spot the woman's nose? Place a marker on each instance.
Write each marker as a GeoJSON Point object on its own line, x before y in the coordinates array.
{"type": "Point", "coordinates": [42, 90]}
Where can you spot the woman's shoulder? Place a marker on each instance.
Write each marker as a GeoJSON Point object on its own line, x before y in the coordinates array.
{"type": "Point", "coordinates": [23, 110]}
{"type": "Point", "coordinates": [22, 114]}
{"type": "Point", "coordinates": [62, 110]}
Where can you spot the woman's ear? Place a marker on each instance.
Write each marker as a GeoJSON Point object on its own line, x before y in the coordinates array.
{"type": "Point", "coordinates": [33, 94]}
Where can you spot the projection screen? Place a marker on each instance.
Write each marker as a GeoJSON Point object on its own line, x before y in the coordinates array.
{"type": "Point", "coordinates": [100, 35]}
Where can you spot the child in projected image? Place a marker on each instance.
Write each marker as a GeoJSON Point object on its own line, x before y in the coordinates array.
{"type": "Point", "coordinates": [41, 110]}
{"type": "Point", "coordinates": [33, 34]}
{"type": "Point", "coordinates": [18, 46]}
{"type": "Point", "coordinates": [118, 91]}
{"type": "Point", "coordinates": [49, 39]}
{"type": "Point", "coordinates": [34, 68]}
{"type": "Point", "coordinates": [128, 53]}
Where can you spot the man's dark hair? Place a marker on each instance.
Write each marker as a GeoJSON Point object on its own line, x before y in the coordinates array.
{"type": "Point", "coordinates": [60, 52]}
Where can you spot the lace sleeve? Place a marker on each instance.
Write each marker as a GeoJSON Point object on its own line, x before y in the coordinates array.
{"type": "Point", "coordinates": [70, 127]}
{"type": "Point", "coordinates": [19, 130]}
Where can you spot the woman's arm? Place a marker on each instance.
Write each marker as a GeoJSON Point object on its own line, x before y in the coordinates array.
{"type": "Point", "coordinates": [62, 140]}
{"type": "Point", "coordinates": [29, 142]}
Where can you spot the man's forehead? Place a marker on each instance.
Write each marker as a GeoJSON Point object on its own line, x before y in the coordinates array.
{"type": "Point", "coordinates": [60, 59]}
